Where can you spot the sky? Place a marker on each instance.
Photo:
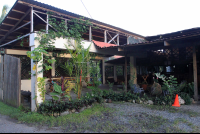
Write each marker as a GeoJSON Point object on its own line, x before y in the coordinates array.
{"type": "Point", "coordinates": [144, 17]}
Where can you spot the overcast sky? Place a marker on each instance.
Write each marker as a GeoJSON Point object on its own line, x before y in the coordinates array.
{"type": "Point", "coordinates": [144, 17]}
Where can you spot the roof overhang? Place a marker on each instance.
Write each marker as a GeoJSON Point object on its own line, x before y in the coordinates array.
{"type": "Point", "coordinates": [19, 16]}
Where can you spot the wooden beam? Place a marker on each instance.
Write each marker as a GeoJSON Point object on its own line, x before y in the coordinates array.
{"type": "Point", "coordinates": [50, 15]}
{"type": "Point", "coordinates": [18, 11]}
{"type": "Point", "coordinates": [7, 24]}
{"type": "Point", "coordinates": [195, 75]}
{"type": "Point", "coordinates": [62, 14]}
{"type": "Point", "coordinates": [12, 18]}
{"type": "Point", "coordinates": [15, 25]}
{"type": "Point", "coordinates": [21, 27]}
{"type": "Point", "coordinates": [111, 37]}
{"type": "Point", "coordinates": [44, 20]}
{"type": "Point", "coordinates": [114, 38]}
{"type": "Point", "coordinates": [94, 35]}
{"type": "Point", "coordinates": [4, 30]}
{"type": "Point", "coordinates": [14, 40]}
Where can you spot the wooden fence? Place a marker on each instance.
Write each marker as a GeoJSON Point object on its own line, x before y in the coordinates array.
{"type": "Point", "coordinates": [10, 80]}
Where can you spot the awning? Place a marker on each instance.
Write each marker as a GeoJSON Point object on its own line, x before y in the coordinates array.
{"type": "Point", "coordinates": [103, 44]}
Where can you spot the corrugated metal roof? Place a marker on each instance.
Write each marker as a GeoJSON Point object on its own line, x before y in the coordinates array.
{"type": "Point", "coordinates": [165, 37]}
{"type": "Point", "coordinates": [76, 15]}
{"type": "Point", "coordinates": [103, 44]}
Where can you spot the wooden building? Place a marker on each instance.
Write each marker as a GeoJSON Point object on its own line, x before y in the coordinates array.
{"type": "Point", "coordinates": [179, 50]}
{"type": "Point", "coordinates": [26, 17]}
{"type": "Point", "coordinates": [177, 53]}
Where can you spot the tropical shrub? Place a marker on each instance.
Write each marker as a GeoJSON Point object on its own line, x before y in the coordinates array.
{"type": "Point", "coordinates": [186, 98]}
{"type": "Point", "coordinates": [41, 87]}
{"type": "Point", "coordinates": [51, 107]}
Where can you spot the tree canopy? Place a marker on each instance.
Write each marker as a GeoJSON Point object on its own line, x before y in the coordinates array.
{"type": "Point", "coordinates": [4, 12]}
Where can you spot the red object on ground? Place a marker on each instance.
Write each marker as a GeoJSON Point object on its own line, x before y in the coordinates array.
{"type": "Point", "coordinates": [176, 102]}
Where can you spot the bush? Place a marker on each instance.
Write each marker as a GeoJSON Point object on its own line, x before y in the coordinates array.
{"type": "Point", "coordinates": [125, 96]}
{"type": "Point", "coordinates": [51, 107]}
{"type": "Point", "coordinates": [186, 98]}
{"type": "Point", "coordinates": [168, 100]}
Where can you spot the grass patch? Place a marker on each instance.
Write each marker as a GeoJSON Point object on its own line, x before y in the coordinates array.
{"type": "Point", "coordinates": [194, 128]}
{"type": "Point", "coordinates": [33, 117]}
{"type": "Point", "coordinates": [172, 110]}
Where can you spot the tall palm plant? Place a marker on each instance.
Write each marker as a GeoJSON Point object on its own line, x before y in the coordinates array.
{"type": "Point", "coordinates": [4, 12]}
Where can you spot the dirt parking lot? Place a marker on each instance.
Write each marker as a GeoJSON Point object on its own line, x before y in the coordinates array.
{"type": "Point", "coordinates": [123, 117]}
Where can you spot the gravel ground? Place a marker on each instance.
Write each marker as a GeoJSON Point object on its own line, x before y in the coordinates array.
{"type": "Point", "coordinates": [124, 117]}
{"type": "Point", "coordinates": [185, 119]}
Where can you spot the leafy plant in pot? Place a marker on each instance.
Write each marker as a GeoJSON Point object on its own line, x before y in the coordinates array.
{"type": "Point", "coordinates": [144, 85]}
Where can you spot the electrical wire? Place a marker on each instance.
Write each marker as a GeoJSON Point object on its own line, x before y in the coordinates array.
{"type": "Point", "coordinates": [86, 9]}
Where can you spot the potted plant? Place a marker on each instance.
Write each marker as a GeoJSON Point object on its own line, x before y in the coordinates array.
{"type": "Point", "coordinates": [144, 85]}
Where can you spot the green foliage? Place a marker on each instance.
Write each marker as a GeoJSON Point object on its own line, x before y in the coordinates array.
{"type": "Point", "coordinates": [51, 107]}
{"type": "Point", "coordinates": [169, 83]}
{"type": "Point", "coordinates": [73, 32]}
{"type": "Point", "coordinates": [94, 71]}
{"type": "Point", "coordinates": [58, 93]}
{"type": "Point", "coordinates": [110, 85]}
{"type": "Point", "coordinates": [4, 12]}
{"type": "Point", "coordinates": [124, 96]}
{"type": "Point", "coordinates": [189, 89]}
{"type": "Point", "coordinates": [36, 118]}
{"type": "Point", "coordinates": [41, 86]}
{"type": "Point", "coordinates": [168, 100]}
{"type": "Point", "coordinates": [186, 98]}
{"type": "Point", "coordinates": [123, 85]}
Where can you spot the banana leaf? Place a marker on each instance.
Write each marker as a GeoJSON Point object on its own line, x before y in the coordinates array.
{"type": "Point", "coordinates": [57, 88]}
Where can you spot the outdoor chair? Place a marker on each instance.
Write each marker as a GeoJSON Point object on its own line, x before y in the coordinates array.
{"type": "Point", "coordinates": [136, 89]}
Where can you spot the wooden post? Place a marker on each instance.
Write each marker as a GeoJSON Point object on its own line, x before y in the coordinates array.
{"type": "Point", "coordinates": [105, 36]}
{"type": "Point", "coordinates": [1, 78]}
{"type": "Point", "coordinates": [127, 40]}
{"type": "Point", "coordinates": [118, 40]}
{"type": "Point", "coordinates": [34, 89]}
{"type": "Point", "coordinates": [103, 71]}
{"type": "Point", "coordinates": [125, 70]}
{"type": "Point", "coordinates": [90, 34]}
{"type": "Point", "coordinates": [133, 70]}
{"type": "Point", "coordinates": [88, 74]}
{"type": "Point", "coordinates": [195, 75]}
{"type": "Point", "coordinates": [115, 73]}
{"type": "Point", "coordinates": [33, 78]}
{"type": "Point", "coordinates": [31, 18]}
